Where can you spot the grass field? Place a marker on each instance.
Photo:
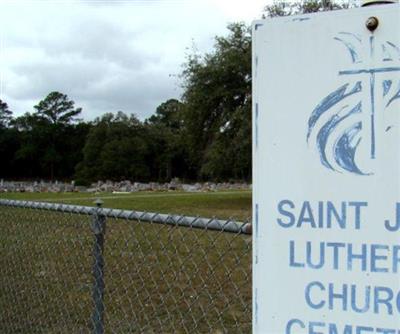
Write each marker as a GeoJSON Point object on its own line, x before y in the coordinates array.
{"type": "Point", "coordinates": [224, 204]}
{"type": "Point", "coordinates": [158, 278]}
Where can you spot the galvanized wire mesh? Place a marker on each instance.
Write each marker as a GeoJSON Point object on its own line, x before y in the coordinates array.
{"type": "Point", "coordinates": [171, 274]}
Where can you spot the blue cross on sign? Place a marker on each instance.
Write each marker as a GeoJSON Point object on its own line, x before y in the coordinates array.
{"type": "Point", "coordinates": [346, 146]}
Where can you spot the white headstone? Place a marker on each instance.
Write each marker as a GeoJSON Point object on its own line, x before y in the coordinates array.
{"type": "Point", "coordinates": [326, 143]}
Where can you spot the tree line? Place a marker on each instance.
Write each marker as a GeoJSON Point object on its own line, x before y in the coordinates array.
{"type": "Point", "coordinates": [206, 135]}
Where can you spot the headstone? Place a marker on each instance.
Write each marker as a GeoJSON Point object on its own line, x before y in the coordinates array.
{"type": "Point", "coordinates": [191, 187]}
{"type": "Point", "coordinates": [326, 143]}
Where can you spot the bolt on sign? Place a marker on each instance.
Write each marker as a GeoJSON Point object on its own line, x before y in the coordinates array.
{"type": "Point", "coordinates": [326, 144]}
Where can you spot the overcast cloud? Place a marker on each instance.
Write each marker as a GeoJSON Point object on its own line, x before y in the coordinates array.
{"type": "Point", "coordinates": [107, 55]}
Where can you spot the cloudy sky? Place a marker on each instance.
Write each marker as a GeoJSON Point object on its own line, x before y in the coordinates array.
{"type": "Point", "coordinates": [107, 55]}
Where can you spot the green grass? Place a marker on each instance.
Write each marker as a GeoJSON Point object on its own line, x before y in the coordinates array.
{"type": "Point", "coordinates": [158, 278]}
{"type": "Point", "coordinates": [228, 204]}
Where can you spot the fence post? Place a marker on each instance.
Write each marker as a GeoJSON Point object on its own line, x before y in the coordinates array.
{"type": "Point", "coordinates": [99, 230]}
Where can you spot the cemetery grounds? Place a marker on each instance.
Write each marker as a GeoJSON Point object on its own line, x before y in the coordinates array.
{"type": "Point", "coordinates": [152, 271]}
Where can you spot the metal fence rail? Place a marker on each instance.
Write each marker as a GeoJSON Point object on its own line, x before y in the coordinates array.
{"type": "Point", "coordinates": [193, 222]}
{"type": "Point", "coordinates": [77, 269]}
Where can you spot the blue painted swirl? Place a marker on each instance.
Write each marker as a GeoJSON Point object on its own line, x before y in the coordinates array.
{"type": "Point", "coordinates": [394, 97]}
{"type": "Point", "coordinates": [387, 84]}
{"type": "Point", "coordinates": [326, 130]}
{"type": "Point", "coordinates": [395, 48]}
{"type": "Point", "coordinates": [328, 102]}
{"type": "Point", "coordinates": [345, 149]}
{"type": "Point", "coordinates": [353, 50]}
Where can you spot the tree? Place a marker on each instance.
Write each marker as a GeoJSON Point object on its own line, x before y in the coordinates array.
{"type": "Point", "coordinates": [46, 149]}
{"type": "Point", "coordinates": [168, 114]}
{"type": "Point", "coordinates": [57, 109]}
{"type": "Point", "coordinates": [115, 149]}
{"type": "Point", "coordinates": [217, 98]}
{"type": "Point", "coordinates": [8, 141]}
{"type": "Point", "coordinates": [167, 141]}
{"type": "Point", "coordinates": [284, 8]}
{"type": "Point", "coordinates": [33, 139]}
{"type": "Point", "coordinates": [5, 114]}
{"type": "Point", "coordinates": [50, 140]}
{"type": "Point", "coordinates": [58, 113]}
{"type": "Point", "coordinates": [217, 108]}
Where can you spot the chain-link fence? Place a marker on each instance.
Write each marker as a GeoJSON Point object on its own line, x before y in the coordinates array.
{"type": "Point", "coordinates": [76, 269]}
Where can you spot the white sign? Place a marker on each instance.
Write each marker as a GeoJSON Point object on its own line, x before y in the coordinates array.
{"type": "Point", "coordinates": [326, 143]}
